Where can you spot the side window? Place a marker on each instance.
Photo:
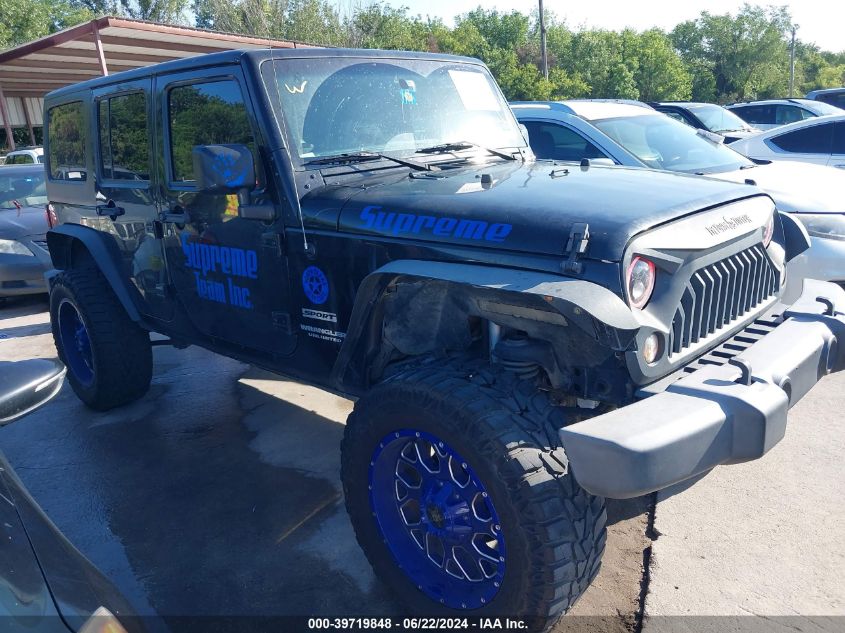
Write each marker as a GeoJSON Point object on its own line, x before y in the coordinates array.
{"type": "Point", "coordinates": [124, 139]}
{"type": "Point", "coordinates": [790, 114]}
{"type": "Point", "coordinates": [675, 115]}
{"type": "Point", "coordinates": [839, 138]}
{"type": "Point", "coordinates": [761, 115]}
{"type": "Point", "coordinates": [67, 137]}
{"type": "Point", "coordinates": [815, 139]}
{"type": "Point", "coordinates": [836, 98]}
{"type": "Point", "coordinates": [206, 114]}
{"type": "Point", "coordinates": [558, 142]}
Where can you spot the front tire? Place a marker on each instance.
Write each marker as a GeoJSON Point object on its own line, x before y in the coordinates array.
{"type": "Point", "coordinates": [462, 499]}
{"type": "Point", "coordinates": [108, 356]}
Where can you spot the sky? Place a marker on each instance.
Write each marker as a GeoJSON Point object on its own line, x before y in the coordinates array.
{"type": "Point", "coordinates": [819, 21]}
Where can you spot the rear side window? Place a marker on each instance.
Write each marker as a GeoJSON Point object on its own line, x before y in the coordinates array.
{"type": "Point", "coordinates": [124, 139]}
{"type": "Point", "coordinates": [67, 140]}
{"type": "Point", "coordinates": [836, 99]}
{"type": "Point", "coordinates": [211, 113]}
{"type": "Point", "coordinates": [839, 138]}
{"type": "Point", "coordinates": [815, 139]}
{"type": "Point", "coordinates": [785, 114]}
{"type": "Point", "coordinates": [19, 159]}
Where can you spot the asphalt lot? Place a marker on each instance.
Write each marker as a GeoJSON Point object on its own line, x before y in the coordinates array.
{"type": "Point", "coordinates": [218, 494]}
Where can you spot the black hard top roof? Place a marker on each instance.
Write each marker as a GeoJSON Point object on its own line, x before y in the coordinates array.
{"type": "Point", "coordinates": [235, 57]}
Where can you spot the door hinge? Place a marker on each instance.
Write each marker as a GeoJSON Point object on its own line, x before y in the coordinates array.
{"type": "Point", "coordinates": [272, 241]}
{"type": "Point", "coordinates": [579, 239]}
{"type": "Point", "coordinates": [282, 321]}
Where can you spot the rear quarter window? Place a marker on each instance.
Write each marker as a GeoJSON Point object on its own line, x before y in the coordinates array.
{"type": "Point", "coordinates": [815, 139]}
{"type": "Point", "coordinates": [67, 136]}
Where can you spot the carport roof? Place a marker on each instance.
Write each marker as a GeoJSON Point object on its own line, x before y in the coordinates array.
{"type": "Point", "coordinates": [109, 45]}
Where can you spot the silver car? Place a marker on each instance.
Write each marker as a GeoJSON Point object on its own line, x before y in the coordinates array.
{"type": "Point", "coordinates": [23, 226]}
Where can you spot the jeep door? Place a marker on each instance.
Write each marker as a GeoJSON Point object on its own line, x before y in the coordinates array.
{"type": "Point", "coordinates": [229, 272]}
{"type": "Point", "coordinates": [126, 204]}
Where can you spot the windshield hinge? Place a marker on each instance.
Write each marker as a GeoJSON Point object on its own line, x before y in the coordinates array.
{"type": "Point", "coordinates": [579, 238]}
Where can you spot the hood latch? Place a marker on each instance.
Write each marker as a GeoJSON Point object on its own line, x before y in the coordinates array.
{"type": "Point", "coordinates": [579, 239]}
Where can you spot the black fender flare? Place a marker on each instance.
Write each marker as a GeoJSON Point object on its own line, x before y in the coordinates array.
{"type": "Point", "coordinates": [600, 313]}
{"type": "Point", "coordinates": [796, 240]}
{"type": "Point", "coordinates": [106, 256]}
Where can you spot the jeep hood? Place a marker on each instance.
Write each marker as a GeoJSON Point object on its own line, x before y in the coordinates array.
{"type": "Point", "coordinates": [526, 207]}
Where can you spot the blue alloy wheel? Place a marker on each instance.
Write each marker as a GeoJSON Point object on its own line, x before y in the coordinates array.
{"type": "Point", "coordinates": [437, 519]}
{"type": "Point", "coordinates": [75, 343]}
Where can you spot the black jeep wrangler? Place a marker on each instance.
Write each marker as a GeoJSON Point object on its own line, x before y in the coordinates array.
{"type": "Point", "coordinates": [524, 338]}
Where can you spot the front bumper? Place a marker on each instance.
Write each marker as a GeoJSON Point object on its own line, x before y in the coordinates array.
{"type": "Point", "coordinates": [720, 414]}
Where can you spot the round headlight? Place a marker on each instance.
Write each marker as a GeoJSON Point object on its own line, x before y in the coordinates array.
{"type": "Point", "coordinates": [640, 281]}
{"type": "Point", "coordinates": [769, 230]}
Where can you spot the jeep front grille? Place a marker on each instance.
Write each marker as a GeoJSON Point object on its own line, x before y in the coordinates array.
{"type": "Point", "coordinates": [719, 294]}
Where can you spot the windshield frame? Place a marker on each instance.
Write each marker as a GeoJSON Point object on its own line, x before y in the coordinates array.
{"type": "Point", "coordinates": [740, 160]}
{"type": "Point", "coordinates": [271, 85]}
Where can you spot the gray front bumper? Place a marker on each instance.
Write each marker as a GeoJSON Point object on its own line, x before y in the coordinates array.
{"type": "Point", "coordinates": [717, 415]}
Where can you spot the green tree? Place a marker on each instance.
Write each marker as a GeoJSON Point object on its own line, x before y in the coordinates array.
{"type": "Point", "coordinates": [25, 20]}
{"type": "Point", "coordinates": [659, 74]}
{"type": "Point", "coordinates": [746, 55]}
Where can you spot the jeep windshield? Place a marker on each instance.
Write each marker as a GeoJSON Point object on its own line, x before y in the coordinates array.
{"type": "Point", "coordinates": [346, 106]}
{"type": "Point", "coordinates": [664, 143]}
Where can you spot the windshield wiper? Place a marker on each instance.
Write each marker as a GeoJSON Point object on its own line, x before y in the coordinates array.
{"type": "Point", "coordinates": [459, 145]}
{"type": "Point", "coordinates": [360, 157]}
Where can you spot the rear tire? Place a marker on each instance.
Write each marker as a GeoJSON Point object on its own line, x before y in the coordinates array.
{"type": "Point", "coordinates": [108, 356]}
{"type": "Point", "coordinates": [502, 432]}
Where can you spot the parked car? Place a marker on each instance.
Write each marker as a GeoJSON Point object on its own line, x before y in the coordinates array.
{"type": "Point", "coordinates": [635, 136]}
{"type": "Point", "coordinates": [522, 340]}
{"type": "Point", "coordinates": [833, 96]}
{"type": "Point", "coordinates": [772, 113]}
{"type": "Point", "coordinates": [820, 141]}
{"type": "Point", "coordinates": [24, 257]}
{"type": "Point", "coordinates": [707, 116]}
{"type": "Point", "coordinates": [46, 584]}
{"type": "Point", "coordinates": [25, 156]}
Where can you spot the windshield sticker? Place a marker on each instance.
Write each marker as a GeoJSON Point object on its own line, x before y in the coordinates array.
{"type": "Point", "coordinates": [439, 227]}
{"type": "Point", "coordinates": [316, 285]}
{"type": "Point", "coordinates": [296, 90]}
{"type": "Point", "coordinates": [474, 90]}
{"type": "Point", "coordinates": [408, 91]}
{"type": "Point", "coordinates": [233, 264]}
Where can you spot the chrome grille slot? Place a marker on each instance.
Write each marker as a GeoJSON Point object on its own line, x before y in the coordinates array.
{"type": "Point", "coordinates": [720, 293]}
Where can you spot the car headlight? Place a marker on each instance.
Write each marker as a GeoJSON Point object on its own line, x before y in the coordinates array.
{"type": "Point", "coordinates": [640, 280]}
{"type": "Point", "coordinates": [827, 225]}
{"type": "Point", "coordinates": [12, 247]}
{"type": "Point", "coordinates": [769, 231]}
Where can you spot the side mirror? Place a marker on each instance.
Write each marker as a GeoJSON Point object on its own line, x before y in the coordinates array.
{"type": "Point", "coordinates": [26, 385]}
{"type": "Point", "coordinates": [223, 169]}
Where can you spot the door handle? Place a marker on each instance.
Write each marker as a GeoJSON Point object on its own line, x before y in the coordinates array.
{"type": "Point", "coordinates": [110, 209]}
{"type": "Point", "coordinates": [176, 215]}
{"type": "Point", "coordinates": [842, 166]}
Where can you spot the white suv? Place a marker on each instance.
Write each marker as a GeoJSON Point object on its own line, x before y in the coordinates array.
{"type": "Point", "coordinates": [25, 156]}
